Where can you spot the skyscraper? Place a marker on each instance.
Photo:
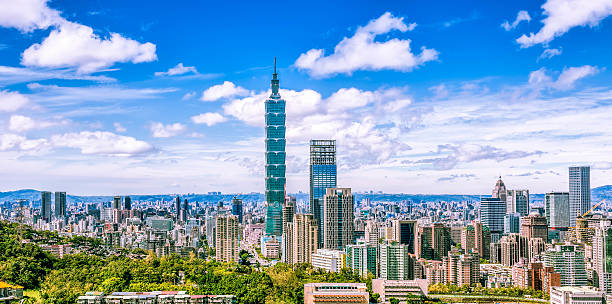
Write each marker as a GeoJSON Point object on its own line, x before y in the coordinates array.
{"type": "Point", "coordinates": [60, 205]}
{"type": "Point", "coordinates": [492, 213]}
{"type": "Point", "coordinates": [275, 158]}
{"type": "Point", "coordinates": [396, 262]}
{"type": "Point", "coordinates": [517, 201]}
{"type": "Point", "coordinates": [535, 226]}
{"type": "Point", "coordinates": [557, 209]}
{"type": "Point", "coordinates": [116, 202]}
{"type": "Point", "coordinates": [185, 211]}
{"type": "Point", "coordinates": [500, 191]}
{"type": "Point", "coordinates": [237, 208]}
{"type": "Point", "coordinates": [288, 209]}
{"type": "Point", "coordinates": [177, 205]}
{"type": "Point", "coordinates": [45, 205]}
{"type": "Point", "coordinates": [338, 216]}
{"type": "Point", "coordinates": [602, 256]}
{"type": "Point", "coordinates": [127, 202]}
{"type": "Point", "coordinates": [579, 192]}
{"type": "Point", "coordinates": [323, 175]}
{"type": "Point", "coordinates": [404, 232]}
{"type": "Point", "coordinates": [512, 223]}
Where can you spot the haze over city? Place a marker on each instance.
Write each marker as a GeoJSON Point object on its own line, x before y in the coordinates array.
{"type": "Point", "coordinates": [99, 98]}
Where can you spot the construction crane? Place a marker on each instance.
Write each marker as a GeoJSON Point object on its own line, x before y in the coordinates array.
{"type": "Point", "coordinates": [596, 205]}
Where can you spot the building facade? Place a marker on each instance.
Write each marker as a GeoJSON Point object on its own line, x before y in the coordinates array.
{"type": "Point", "coordinates": [300, 239]}
{"type": "Point", "coordinates": [323, 175]}
{"type": "Point", "coordinates": [557, 209]}
{"type": "Point", "coordinates": [579, 192]}
{"type": "Point", "coordinates": [338, 218]}
{"type": "Point", "coordinates": [517, 201]}
{"type": "Point", "coordinates": [227, 236]}
{"type": "Point", "coordinates": [60, 205]}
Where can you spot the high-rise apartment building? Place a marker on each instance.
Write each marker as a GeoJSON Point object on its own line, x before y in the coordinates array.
{"type": "Point", "coordinates": [557, 210]}
{"type": "Point", "coordinates": [288, 209]}
{"type": "Point", "coordinates": [461, 269]}
{"type": "Point", "coordinates": [300, 239]}
{"type": "Point", "coordinates": [237, 208]}
{"type": "Point", "coordinates": [227, 237]}
{"type": "Point", "coordinates": [362, 258]}
{"type": "Point", "coordinates": [371, 233]}
{"type": "Point", "coordinates": [433, 242]}
{"type": "Point", "coordinates": [323, 175]}
{"type": "Point", "coordinates": [275, 158]}
{"type": "Point", "coordinates": [476, 238]}
{"type": "Point", "coordinates": [569, 262]}
{"type": "Point", "coordinates": [338, 216]}
{"type": "Point", "coordinates": [405, 232]}
{"type": "Point", "coordinates": [535, 226]}
{"type": "Point", "coordinates": [396, 262]}
{"type": "Point", "coordinates": [45, 205]}
{"type": "Point", "coordinates": [517, 201]}
{"type": "Point", "coordinates": [602, 256]}
{"type": "Point", "coordinates": [60, 205]}
{"type": "Point", "coordinates": [579, 192]}
{"type": "Point", "coordinates": [514, 247]}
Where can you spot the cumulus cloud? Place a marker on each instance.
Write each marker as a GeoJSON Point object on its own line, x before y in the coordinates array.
{"type": "Point", "coordinates": [75, 45]}
{"type": "Point", "coordinates": [119, 128]}
{"type": "Point", "coordinates": [28, 15]}
{"type": "Point", "coordinates": [20, 123]}
{"type": "Point", "coordinates": [208, 119]}
{"type": "Point", "coordinates": [521, 16]}
{"type": "Point", "coordinates": [550, 53]}
{"type": "Point", "coordinates": [464, 153]}
{"type": "Point", "coordinates": [104, 143]}
{"type": "Point", "coordinates": [562, 15]}
{"type": "Point", "coordinates": [12, 101]}
{"type": "Point", "coordinates": [225, 90]}
{"type": "Point", "coordinates": [362, 52]}
{"type": "Point", "coordinates": [179, 69]}
{"type": "Point", "coordinates": [160, 130]}
{"type": "Point", "coordinates": [541, 79]}
{"type": "Point", "coordinates": [10, 141]}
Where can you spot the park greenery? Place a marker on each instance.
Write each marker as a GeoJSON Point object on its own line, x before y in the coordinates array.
{"type": "Point", "coordinates": [482, 291]}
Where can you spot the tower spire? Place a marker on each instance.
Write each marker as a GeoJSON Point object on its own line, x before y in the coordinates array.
{"type": "Point", "coordinates": [275, 82]}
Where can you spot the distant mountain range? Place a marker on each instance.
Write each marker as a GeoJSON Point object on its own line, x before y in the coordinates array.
{"type": "Point", "coordinates": [599, 193]}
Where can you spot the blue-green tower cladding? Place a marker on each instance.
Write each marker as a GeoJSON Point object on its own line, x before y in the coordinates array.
{"type": "Point", "coordinates": [275, 158]}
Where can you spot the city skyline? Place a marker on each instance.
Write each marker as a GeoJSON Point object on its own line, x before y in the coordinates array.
{"type": "Point", "coordinates": [425, 110]}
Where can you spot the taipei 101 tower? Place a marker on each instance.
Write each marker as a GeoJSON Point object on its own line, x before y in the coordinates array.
{"type": "Point", "coordinates": [275, 158]}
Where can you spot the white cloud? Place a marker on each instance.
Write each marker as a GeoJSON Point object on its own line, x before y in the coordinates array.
{"type": "Point", "coordinates": [362, 52]}
{"type": "Point", "coordinates": [20, 123]}
{"type": "Point", "coordinates": [188, 95]}
{"type": "Point", "coordinates": [13, 75]}
{"type": "Point", "coordinates": [209, 119]}
{"type": "Point", "coordinates": [562, 15]}
{"type": "Point", "coordinates": [12, 101]}
{"type": "Point", "coordinates": [10, 141]}
{"type": "Point", "coordinates": [465, 153]}
{"type": "Point", "coordinates": [225, 90]}
{"type": "Point", "coordinates": [521, 16]}
{"type": "Point", "coordinates": [104, 143]}
{"type": "Point", "coordinates": [76, 46]}
{"type": "Point", "coordinates": [160, 130]}
{"type": "Point", "coordinates": [179, 69]}
{"type": "Point", "coordinates": [550, 53]}
{"type": "Point", "coordinates": [540, 79]}
{"type": "Point", "coordinates": [28, 15]}
{"type": "Point", "coordinates": [119, 128]}
{"type": "Point", "coordinates": [346, 99]}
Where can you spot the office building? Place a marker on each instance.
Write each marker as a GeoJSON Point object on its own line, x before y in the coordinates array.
{"type": "Point", "coordinates": [300, 239]}
{"type": "Point", "coordinates": [323, 175]}
{"type": "Point", "coordinates": [517, 201]}
{"type": "Point", "coordinates": [177, 206]}
{"type": "Point", "coordinates": [60, 205]}
{"type": "Point", "coordinates": [579, 192]}
{"type": "Point", "coordinates": [492, 213]}
{"type": "Point", "coordinates": [338, 216]}
{"type": "Point", "coordinates": [396, 262]}
{"type": "Point", "coordinates": [402, 290]}
{"type": "Point", "coordinates": [569, 262]}
{"type": "Point", "coordinates": [535, 226]}
{"type": "Point", "coordinates": [499, 191]}
{"type": "Point", "coordinates": [328, 260]}
{"type": "Point", "coordinates": [185, 211]}
{"type": "Point", "coordinates": [362, 258]}
{"type": "Point", "coordinates": [127, 202]}
{"type": "Point", "coordinates": [237, 208]}
{"type": "Point", "coordinates": [512, 223]}
{"type": "Point", "coordinates": [227, 238]}
{"type": "Point", "coordinates": [45, 205]}
{"type": "Point", "coordinates": [332, 293]}
{"type": "Point", "coordinates": [275, 158]}
{"type": "Point", "coordinates": [405, 232]}
{"type": "Point", "coordinates": [577, 295]}
{"type": "Point", "coordinates": [116, 202]}
{"type": "Point", "coordinates": [557, 210]}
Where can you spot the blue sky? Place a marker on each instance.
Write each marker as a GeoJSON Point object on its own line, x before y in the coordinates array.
{"type": "Point", "coordinates": [106, 97]}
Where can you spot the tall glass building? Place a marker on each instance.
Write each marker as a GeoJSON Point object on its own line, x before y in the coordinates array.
{"type": "Point", "coordinates": [322, 176]}
{"type": "Point", "coordinates": [579, 192]}
{"type": "Point", "coordinates": [275, 158]}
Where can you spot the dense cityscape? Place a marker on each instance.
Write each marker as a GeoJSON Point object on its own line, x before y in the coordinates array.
{"type": "Point", "coordinates": [558, 249]}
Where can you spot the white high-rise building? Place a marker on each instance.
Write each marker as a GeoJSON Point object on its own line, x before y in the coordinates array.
{"type": "Point", "coordinates": [300, 239]}
{"type": "Point", "coordinates": [579, 192]}
{"type": "Point", "coordinates": [227, 244]}
{"type": "Point", "coordinates": [557, 209]}
{"type": "Point", "coordinates": [602, 256]}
